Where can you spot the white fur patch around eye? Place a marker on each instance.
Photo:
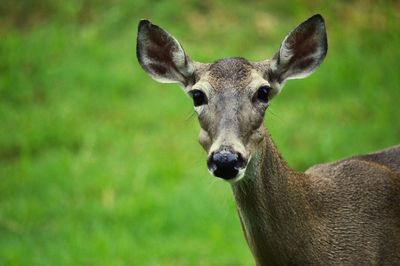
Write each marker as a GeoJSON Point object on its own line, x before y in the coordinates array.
{"type": "Point", "coordinates": [198, 109]}
{"type": "Point", "coordinates": [259, 81]}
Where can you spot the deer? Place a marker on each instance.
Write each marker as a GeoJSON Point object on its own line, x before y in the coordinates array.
{"type": "Point", "coordinates": [345, 212]}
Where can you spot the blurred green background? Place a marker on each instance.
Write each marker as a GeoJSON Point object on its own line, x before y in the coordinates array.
{"type": "Point", "coordinates": [99, 165]}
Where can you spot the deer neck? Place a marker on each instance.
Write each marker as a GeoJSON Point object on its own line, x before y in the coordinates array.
{"type": "Point", "coordinates": [270, 203]}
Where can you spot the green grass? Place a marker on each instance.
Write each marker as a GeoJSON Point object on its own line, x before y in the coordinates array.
{"type": "Point", "coordinates": [99, 165]}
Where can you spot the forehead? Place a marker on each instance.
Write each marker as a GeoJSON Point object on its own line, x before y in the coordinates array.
{"type": "Point", "coordinates": [230, 72]}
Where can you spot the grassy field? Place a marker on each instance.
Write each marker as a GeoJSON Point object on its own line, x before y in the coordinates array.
{"type": "Point", "coordinates": [99, 165]}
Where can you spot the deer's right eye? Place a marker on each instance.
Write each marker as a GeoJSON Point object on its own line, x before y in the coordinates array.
{"type": "Point", "coordinates": [263, 93]}
{"type": "Point", "coordinates": [199, 98]}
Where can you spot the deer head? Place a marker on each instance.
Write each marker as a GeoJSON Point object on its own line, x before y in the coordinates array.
{"type": "Point", "coordinates": [231, 95]}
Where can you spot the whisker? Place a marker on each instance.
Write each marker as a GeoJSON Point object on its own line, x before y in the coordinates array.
{"type": "Point", "coordinates": [276, 116]}
{"type": "Point", "coordinates": [211, 183]}
{"type": "Point", "coordinates": [190, 116]}
{"type": "Point", "coordinates": [272, 113]}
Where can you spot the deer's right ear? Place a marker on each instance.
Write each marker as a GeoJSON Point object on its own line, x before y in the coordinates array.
{"type": "Point", "coordinates": [161, 55]}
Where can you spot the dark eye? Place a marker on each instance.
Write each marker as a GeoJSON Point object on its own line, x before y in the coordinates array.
{"type": "Point", "coordinates": [263, 93]}
{"type": "Point", "coordinates": [199, 98]}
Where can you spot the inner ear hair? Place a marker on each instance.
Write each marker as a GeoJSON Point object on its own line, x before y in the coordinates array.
{"type": "Point", "coordinates": [302, 50]}
{"type": "Point", "coordinates": [162, 56]}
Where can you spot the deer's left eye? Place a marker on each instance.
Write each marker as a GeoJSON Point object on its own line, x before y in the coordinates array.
{"type": "Point", "coordinates": [199, 98]}
{"type": "Point", "coordinates": [262, 93]}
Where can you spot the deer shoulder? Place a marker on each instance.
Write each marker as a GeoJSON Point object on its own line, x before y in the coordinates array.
{"type": "Point", "coordinates": [357, 198]}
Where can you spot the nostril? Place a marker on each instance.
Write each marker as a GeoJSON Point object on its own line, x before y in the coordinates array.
{"type": "Point", "coordinates": [212, 166]}
{"type": "Point", "coordinates": [240, 162]}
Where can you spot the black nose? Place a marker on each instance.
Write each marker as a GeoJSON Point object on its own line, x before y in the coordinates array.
{"type": "Point", "coordinates": [225, 164]}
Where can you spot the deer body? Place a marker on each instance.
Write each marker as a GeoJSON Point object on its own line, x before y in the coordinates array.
{"type": "Point", "coordinates": [341, 213]}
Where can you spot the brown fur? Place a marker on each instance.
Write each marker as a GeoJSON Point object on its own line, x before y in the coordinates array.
{"type": "Point", "coordinates": [341, 213]}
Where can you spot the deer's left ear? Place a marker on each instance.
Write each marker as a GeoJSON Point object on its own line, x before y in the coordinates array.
{"type": "Point", "coordinates": [161, 55]}
{"type": "Point", "coordinates": [301, 52]}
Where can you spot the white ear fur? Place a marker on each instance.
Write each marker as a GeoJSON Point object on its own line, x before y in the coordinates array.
{"type": "Point", "coordinates": [302, 51]}
{"type": "Point", "coordinates": [161, 55]}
